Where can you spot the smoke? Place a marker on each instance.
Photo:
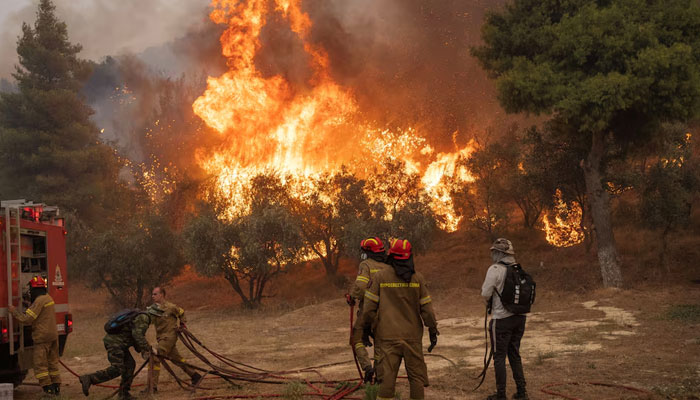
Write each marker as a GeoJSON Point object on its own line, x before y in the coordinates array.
{"type": "Point", "coordinates": [104, 26]}
{"type": "Point", "coordinates": [406, 61]}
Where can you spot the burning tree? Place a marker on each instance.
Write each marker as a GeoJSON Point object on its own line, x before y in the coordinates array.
{"type": "Point", "coordinates": [333, 203]}
{"type": "Point", "coordinates": [669, 187]}
{"type": "Point", "coordinates": [611, 70]}
{"type": "Point", "coordinates": [249, 249]}
{"type": "Point", "coordinates": [484, 202]}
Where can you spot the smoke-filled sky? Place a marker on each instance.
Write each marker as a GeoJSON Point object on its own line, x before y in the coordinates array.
{"type": "Point", "coordinates": [406, 61]}
{"type": "Point", "coordinates": [104, 27]}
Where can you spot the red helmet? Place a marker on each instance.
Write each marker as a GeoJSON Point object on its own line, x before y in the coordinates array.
{"type": "Point", "coordinates": [373, 245]}
{"type": "Point", "coordinates": [400, 249]}
{"type": "Point", "coordinates": [37, 282]}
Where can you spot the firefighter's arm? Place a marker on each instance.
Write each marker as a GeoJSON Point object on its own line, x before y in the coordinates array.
{"type": "Point", "coordinates": [371, 304]}
{"type": "Point", "coordinates": [30, 314]}
{"type": "Point", "coordinates": [361, 282]}
{"type": "Point", "coordinates": [426, 306]}
{"type": "Point", "coordinates": [138, 333]}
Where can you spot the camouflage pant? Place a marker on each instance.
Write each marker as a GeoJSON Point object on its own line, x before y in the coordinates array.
{"type": "Point", "coordinates": [393, 352]}
{"type": "Point", "coordinates": [46, 363]}
{"type": "Point", "coordinates": [122, 363]}
{"type": "Point", "coordinates": [167, 347]}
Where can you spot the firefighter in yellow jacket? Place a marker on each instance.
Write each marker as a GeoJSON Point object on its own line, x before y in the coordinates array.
{"type": "Point", "coordinates": [372, 262]}
{"type": "Point", "coordinates": [42, 316]}
{"type": "Point", "coordinates": [399, 301]}
{"type": "Point", "coordinates": [165, 316]}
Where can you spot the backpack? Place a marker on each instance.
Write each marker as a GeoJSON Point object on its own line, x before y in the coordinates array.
{"type": "Point", "coordinates": [518, 293]}
{"type": "Point", "coordinates": [121, 321]}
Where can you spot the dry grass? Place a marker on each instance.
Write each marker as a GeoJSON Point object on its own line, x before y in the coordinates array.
{"type": "Point", "coordinates": [627, 336]}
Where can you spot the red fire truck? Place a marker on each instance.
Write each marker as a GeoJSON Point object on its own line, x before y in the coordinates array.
{"type": "Point", "coordinates": [33, 243]}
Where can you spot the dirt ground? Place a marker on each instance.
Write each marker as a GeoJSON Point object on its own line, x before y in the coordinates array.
{"type": "Point", "coordinates": [624, 337]}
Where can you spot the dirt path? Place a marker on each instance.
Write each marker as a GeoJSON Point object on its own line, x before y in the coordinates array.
{"type": "Point", "coordinates": [611, 336]}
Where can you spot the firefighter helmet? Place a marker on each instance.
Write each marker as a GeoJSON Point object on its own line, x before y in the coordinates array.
{"type": "Point", "coordinates": [37, 282]}
{"type": "Point", "coordinates": [373, 245]}
{"type": "Point", "coordinates": [400, 249]}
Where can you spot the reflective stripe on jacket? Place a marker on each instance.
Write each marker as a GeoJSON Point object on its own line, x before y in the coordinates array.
{"type": "Point", "coordinates": [401, 308]}
{"type": "Point", "coordinates": [41, 315]}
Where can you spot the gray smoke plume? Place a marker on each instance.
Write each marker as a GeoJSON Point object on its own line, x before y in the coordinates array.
{"type": "Point", "coordinates": [103, 27]}
{"type": "Point", "coordinates": [407, 61]}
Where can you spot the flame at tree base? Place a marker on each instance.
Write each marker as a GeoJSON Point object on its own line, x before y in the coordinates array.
{"type": "Point", "coordinates": [565, 228]}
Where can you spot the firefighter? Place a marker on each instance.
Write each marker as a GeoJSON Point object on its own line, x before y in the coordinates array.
{"type": "Point", "coordinates": [399, 301]}
{"type": "Point", "coordinates": [372, 262]}
{"type": "Point", "coordinates": [165, 316]}
{"type": "Point", "coordinates": [132, 334]}
{"type": "Point", "coordinates": [42, 316]}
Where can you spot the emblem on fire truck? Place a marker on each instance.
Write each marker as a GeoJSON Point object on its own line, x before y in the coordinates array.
{"type": "Point", "coordinates": [58, 278]}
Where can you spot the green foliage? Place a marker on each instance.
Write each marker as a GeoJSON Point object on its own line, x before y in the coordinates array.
{"type": "Point", "coordinates": [483, 203]}
{"type": "Point", "coordinates": [294, 391]}
{"type": "Point", "coordinates": [371, 392]}
{"type": "Point", "coordinates": [328, 212]}
{"type": "Point", "coordinates": [620, 66]}
{"type": "Point", "coordinates": [542, 356]}
{"type": "Point", "coordinates": [50, 149]}
{"type": "Point", "coordinates": [129, 258]}
{"type": "Point", "coordinates": [669, 186]}
{"type": "Point", "coordinates": [249, 249]}
{"type": "Point", "coordinates": [400, 206]}
{"type": "Point", "coordinates": [689, 313]}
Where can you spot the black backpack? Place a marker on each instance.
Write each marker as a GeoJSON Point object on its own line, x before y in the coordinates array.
{"type": "Point", "coordinates": [518, 293]}
{"type": "Point", "coordinates": [121, 321]}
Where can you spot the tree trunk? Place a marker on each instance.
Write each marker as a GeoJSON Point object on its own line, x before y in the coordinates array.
{"type": "Point", "coordinates": [600, 211]}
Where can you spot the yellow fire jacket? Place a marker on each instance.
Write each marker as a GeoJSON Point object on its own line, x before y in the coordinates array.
{"type": "Point", "coordinates": [398, 306]}
{"type": "Point", "coordinates": [165, 318]}
{"type": "Point", "coordinates": [368, 268]}
{"type": "Point", "coordinates": [42, 316]}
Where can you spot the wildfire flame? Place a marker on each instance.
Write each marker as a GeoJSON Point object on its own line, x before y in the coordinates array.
{"type": "Point", "coordinates": [267, 124]}
{"type": "Point", "coordinates": [565, 230]}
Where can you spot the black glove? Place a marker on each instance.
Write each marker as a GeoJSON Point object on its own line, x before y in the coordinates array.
{"type": "Point", "coordinates": [349, 299]}
{"type": "Point", "coordinates": [434, 333]}
{"type": "Point", "coordinates": [366, 333]}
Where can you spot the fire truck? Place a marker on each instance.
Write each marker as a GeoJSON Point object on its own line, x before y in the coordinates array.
{"type": "Point", "coordinates": [33, 243]}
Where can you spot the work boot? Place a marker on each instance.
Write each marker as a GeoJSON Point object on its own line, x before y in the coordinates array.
{"type": "Point", "coordinates": [521, 394]}
{"type": "Point", "coordinates": [196, 379]}
{"type": "Point", "coordinates": [85, 382]}
{"type": "Point", "coordinates": [56, 388]}
{"type": "Point", "coordinates": [497, 396]}
{"type": "Point", "coordinates": [48, 389]}
{"type": "Point", "coordinates": [369, 374]}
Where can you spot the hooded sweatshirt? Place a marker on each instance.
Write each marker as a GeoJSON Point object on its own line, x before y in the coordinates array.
{"type": "Point", "coordinates": [494, 281]}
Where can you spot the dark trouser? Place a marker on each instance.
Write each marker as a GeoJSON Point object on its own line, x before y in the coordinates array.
{"type": "Point", "coordinates": [505, 340]}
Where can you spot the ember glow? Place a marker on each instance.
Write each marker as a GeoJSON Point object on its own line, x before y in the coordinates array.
{"type": "Point", "coordinates": [267, 124]}
{"type": "Point", "coordinates": [562, 225]}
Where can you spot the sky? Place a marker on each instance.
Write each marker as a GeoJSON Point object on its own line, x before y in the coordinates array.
{"type": "Point", "coordinates": [103, 27]}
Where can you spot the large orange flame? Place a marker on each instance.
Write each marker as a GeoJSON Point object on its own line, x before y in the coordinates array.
{"type": "Point", "coordinates": [565, 228]}
{"type": "Point", "coordinates": [266, 124]}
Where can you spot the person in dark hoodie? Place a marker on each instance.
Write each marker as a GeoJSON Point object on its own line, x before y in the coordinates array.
{"type": "Point", "coordinates": [397, 300]}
